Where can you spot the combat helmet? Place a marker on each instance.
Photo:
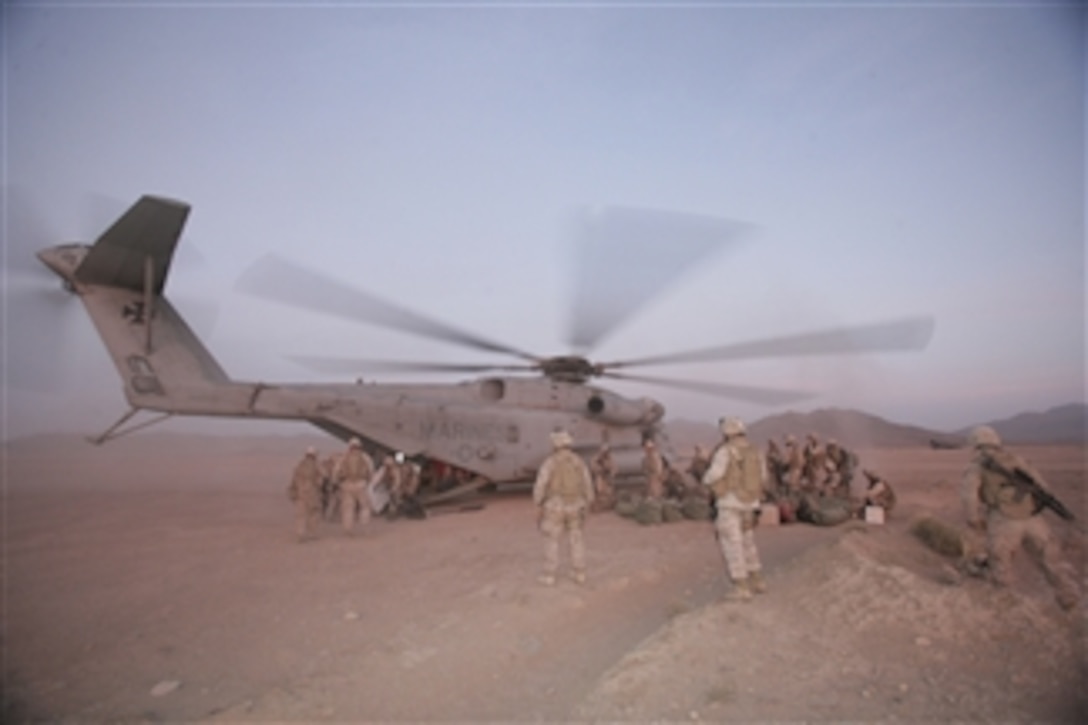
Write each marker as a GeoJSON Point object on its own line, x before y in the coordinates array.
{"type": "Point", "coordinates": [984, 435]}
{"type": "Point", "coordinates": [561, 439]}
{"type": "Point", "coordinates": [732, 427]}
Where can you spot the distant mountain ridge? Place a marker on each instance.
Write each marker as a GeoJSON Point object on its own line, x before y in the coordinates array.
{"type": "Point", "coordinates": [1062, 424]}
{"type": "Point", "coordinates": [852, 428]}
{"type": "Point", "coordinates": [856, 429]}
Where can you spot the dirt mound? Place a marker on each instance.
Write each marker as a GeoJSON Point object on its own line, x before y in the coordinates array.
{"type": "Point", "coordinates": [844, 633]}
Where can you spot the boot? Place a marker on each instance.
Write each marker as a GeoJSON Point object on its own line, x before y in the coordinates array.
{"type": "Point", "coordinates": [579, 577]}
{"type": "Point", "coordinates": [547, 580]}
{"type": "Point", "coordinates": [756, 583]}
{"type": "Point", "coordinates": [739, 593]}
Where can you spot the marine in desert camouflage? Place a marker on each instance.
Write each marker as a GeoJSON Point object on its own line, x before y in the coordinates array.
{"type": "Point", "coordinates": [737, 476]}
{"type": "Point", "coordinates": [1010, 515]}
{"type": "Point", "coordinates": [563, 493]}
{"type": "Point", "coordinates": [352, 474]}
{"type": "Point", "coordinates": [305, 492]}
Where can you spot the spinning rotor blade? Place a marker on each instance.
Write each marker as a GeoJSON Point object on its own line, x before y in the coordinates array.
{"type": "Point", "coordinates": [352, 366]}
{"type": "Point", "coordinates": [749, 393]}
{"type": "Point", "coordinates": [281, 281]}
{"type": "Point", "coordinates": [37, 315]}
{"type": "Point", "coordinates": [25, 234]}
{"type": "Point", "coordinates": [913, 333]}
{"type": "Point", "coordinates": [626, 257]}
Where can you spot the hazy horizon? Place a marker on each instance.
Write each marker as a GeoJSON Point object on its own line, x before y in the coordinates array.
{"type": "Point", "coordinates": [241, 428]}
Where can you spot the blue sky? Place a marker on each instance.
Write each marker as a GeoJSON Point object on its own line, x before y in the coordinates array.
{"type": "Point", "coordinates": [893, 160]}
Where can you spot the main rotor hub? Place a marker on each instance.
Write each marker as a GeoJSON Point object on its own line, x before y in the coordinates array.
{"type": "Point", "coordinates": [569, 368]}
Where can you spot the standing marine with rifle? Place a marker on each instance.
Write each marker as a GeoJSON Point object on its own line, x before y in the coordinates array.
{"type": "Point", "coordinates": [1012, 495]}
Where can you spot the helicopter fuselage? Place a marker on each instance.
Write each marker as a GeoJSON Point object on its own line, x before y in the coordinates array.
{"type": "Point", "coordinates": [497, 427]}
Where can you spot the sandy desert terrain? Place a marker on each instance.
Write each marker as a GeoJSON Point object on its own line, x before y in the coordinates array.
{"type": "Point", "coordinates": [158, 579]}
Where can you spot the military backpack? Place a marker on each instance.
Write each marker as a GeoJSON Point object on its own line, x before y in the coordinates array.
{"type": "Point", "coordinates": [567, 479]}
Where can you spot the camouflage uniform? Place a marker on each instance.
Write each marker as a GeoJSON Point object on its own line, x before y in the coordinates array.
{"type": "Point", "coordinates": [776, 468]}
{"type": "Point", "coordinates": [401, 480]}
{"type": "Point", "coordinates": [842, 462]}
{"type": "Point", "coordinates": [352, 474]}
{"type": "Point", "coordinates": [389, 472]}
{"type": "Point", "coordinates": [816, 464]}
{"type": "Point", "coordinates": [700, 461]}
{"type": "Point", "coordinates": [789, 497]}
{"type": "Point", "coordinates": [330, 492]}
{"type": "Point", "coordinates": [410, 504]}
{"type": "Point", "coordinates": [879, 493]}
{"type": "Point", "coordinates": [409, 477]}
{"type": "Point", "coordinates": [563, 492]}
{"type": "Point", "coordinates": [737, 475]}
{"type": "Point", "coordinates": [1012, 517]}
{"type": "Point", "coordinates": [794, 464]}
{"type": "Point", "coordinates": [604, 471]}
{"type": "Point", "coordinates": [305, 492]}
{"type": "Point", "coordinates": [653, 466]}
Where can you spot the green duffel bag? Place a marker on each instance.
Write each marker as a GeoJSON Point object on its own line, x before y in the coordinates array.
{"type": "Point", "coordinates": [671, 511]}
{"type": "Point", "coordinates": [824, 510]}
{"type": "Point", "coordinates": [626, 507]}
{"type": "Point", "coordinates": [648, 512]}
{"type": "Point", "coordinates": [696, 508]}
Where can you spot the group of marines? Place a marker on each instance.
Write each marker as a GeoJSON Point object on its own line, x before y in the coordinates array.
{"type": "Point", "coordinates": [803, 481]}
{"type": "Point", "coordinates": [347, 484]}
{"type": "Point", "coordinates": [1003, 496]}
{"type": "Point", "coordinates": [737, 476]}
{"type": "Point", "coordinates": [566, 489]}
{"type": "Point", "coordinates": [662, 480]}
{"type": "Point", "coordinates": [810, 479]}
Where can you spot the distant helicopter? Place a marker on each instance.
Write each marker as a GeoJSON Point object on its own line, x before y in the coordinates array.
{"type": "Point", "coordinates": [495, 427]}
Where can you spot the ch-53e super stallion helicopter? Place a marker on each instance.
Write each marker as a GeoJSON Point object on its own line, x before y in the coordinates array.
{"type": "Point", "coordinates": [495, 427]}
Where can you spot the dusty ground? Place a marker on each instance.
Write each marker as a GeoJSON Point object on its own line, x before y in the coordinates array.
{"type": "Point", "coordinates": [157, 578]}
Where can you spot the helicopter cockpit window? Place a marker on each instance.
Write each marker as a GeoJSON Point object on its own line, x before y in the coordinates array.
{"type": "Point", "coordinates": [492, 390]}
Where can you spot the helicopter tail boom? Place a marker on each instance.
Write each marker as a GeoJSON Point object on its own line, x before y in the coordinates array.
{"type": "Point", "coordinates": [163, 365]}
{"type": "Point", "coordinates": [120, 280]}
{"type": "Point", "coordinates": [154, 350]}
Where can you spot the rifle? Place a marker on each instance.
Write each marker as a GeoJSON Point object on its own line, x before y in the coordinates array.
{"type": "Point", "coordinates": [1025, 483]}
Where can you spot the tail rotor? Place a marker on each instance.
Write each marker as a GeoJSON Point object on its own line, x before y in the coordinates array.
{"type": "Point", "coordinates": [37, 310]}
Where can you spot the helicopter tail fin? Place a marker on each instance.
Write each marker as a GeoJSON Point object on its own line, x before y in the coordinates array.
{"type": "Point", "coordinates": [120, 280]}
{"type": "Point", "coordinates": [136, 251]}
